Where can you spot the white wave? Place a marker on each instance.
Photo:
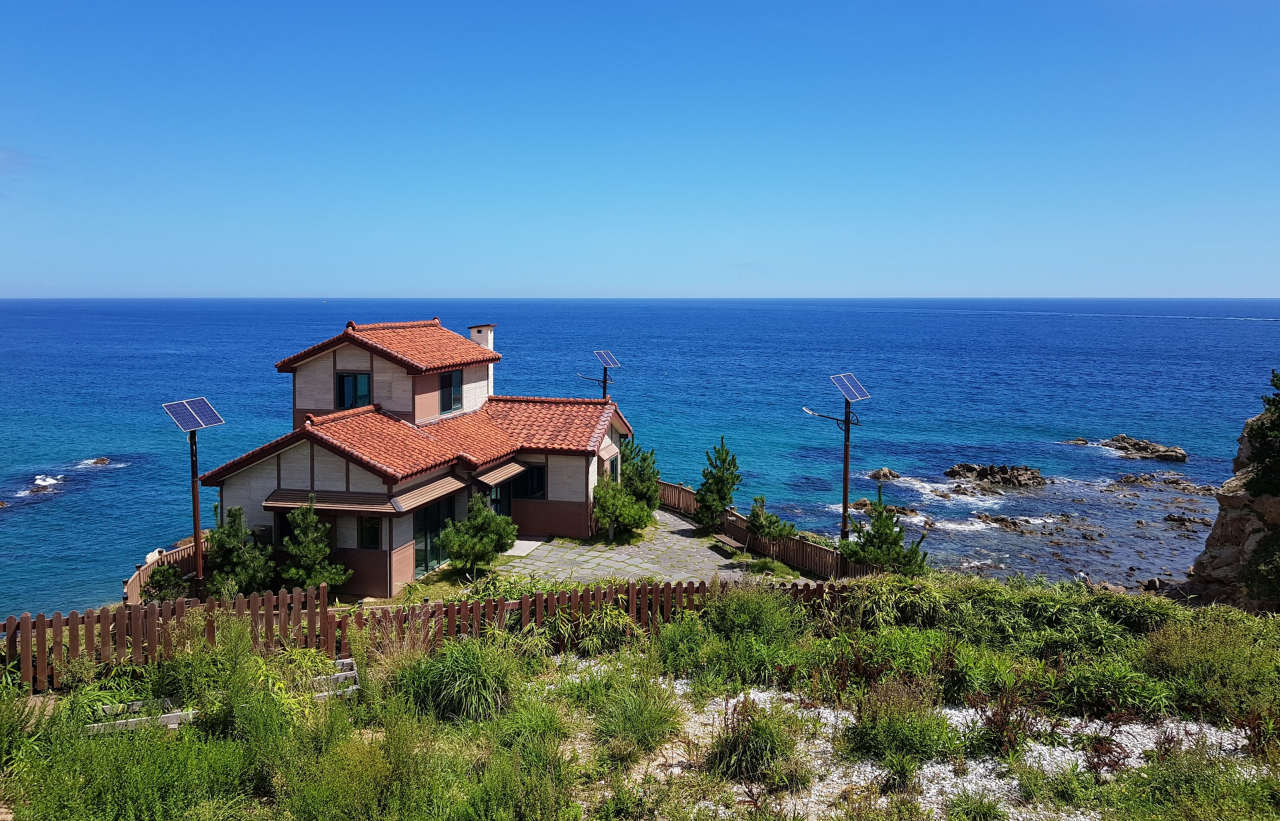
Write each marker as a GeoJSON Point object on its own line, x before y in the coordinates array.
{"type": "Point", "coordinates": [46, 481]}
{"type": "Point", "coordinates": [22, 493]}
{"type": "Point", "coordinates": [929, 492]}
{"type": "Point", "coordinates": [963, 526]}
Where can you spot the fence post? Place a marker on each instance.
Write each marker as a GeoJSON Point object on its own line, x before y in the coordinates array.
{"type": "Point", "coordinates": [24, 651]}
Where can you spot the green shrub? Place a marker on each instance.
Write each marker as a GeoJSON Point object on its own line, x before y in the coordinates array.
{"type": "Point", "coordinates": [165, 583]}
{"type": "Point", "coordinates": [616, 510]}
{"type": "Point", "coordinates": [17, 717]}
{"type": "Point", "coordinates": [974, 806]}
{"type": "Point", "coordinates": [467, 680]}
{"type": "Point", "coordinates": [686, 646]}
{"type": "Point", "coordinates": [766, 526]}
{"type": "Point", "coordinates": [1219, 666]}
{"type": "Point", "coordinates": [308, 545]}
{"type": "Point", "coordinates": [1109, 686]}
{"type": "Point", "coordinates": [883, 542]}
{"type": "Point", "coordinates": [635, 719]}
{"type": "Point", "coordinates": [639, 474]}
{"type": "Point", "coordinates": [144, 774]}
{"type": "Point", "coordinates": [753, 610]}
{"type": "Point", "coordinates": [897, 718]}
{"type": "Point", "coordinates": [480, 537]}
{"type": "Point", "coordinates": [234, 560]}
{"type": "Point", "coordinates": [1263, 434]}
{"type": "Point", "coordinates": [772, 567]}
{"type": "Point", "coordinates": [758, 746]}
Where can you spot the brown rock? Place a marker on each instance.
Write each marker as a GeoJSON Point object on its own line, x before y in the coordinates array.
{"type": "Point", "coordinates": [883, 475]}
{"type": "Point", "coordinates": [101, 460]}
{"type": "Point", "coordinates": [1132, 448]}
{"type": "Point", "coordinates": [1020, 476]}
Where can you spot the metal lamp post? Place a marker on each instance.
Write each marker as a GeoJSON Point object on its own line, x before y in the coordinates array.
{"type": "Point", "coordinates": [608, 360]}
{"type": "Point", "coordinates": [853, 392]}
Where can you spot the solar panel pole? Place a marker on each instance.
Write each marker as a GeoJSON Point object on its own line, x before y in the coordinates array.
{"type": "Point", "coordinates": [604, 384]}
{"type": "Point", "coordinates": [844, 517]}
{"type": "Point", "coordinates": [195, 513]}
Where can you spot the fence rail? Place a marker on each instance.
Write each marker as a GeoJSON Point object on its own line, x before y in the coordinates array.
{"type": "Point", "coordinates": [183, 555]}
{"type": "Point", "coordinates": [802, 554]}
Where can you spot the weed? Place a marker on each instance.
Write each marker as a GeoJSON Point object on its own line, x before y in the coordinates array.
{"type": "Point", "coordinates": [469, 680]}
{"type": "Point", "coordinates": [756, 745]}
{"type": "Point", "coordinates": [636, 719]}
{"type": "Point", "coordinates": [974, 806]}
{"type": "Point", "coordinates": [900, 770]}
{"type": "Point", "coordinates": [897, 718]}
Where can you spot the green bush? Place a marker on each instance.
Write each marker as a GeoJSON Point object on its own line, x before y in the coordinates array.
{"type": "Point", "coordinates": [772, 567]}
{"type": "Point", "coordinates": [308, 545]}
{"type": "Point", "coordinates": [753, 610]}
{"type": "Point", "coordinates": [144, 774]}
{"type": "Point", "coordinates": [165, 583]}
{"type": "Point", "coordinates": [234, 560]}
{"type": "Point", "coordinates": [479, 538]}
{"type": "Point", "coordinates": [974, 806]}
{"type": "Point", "coordinates": [635, 719]}
{"type": "Point", "coordinates": [466, 680]}
{"type": "Point", "coordinates": [884, 543]}
{"type": "Point", "coordinates": [756, 745]}
{"type": "Point", "coordinates": [1219, 666]}
{"type": "Point", "coordinates": [897, 718]}
{"type": "Point", "coordinates": [767, 526]}
{"type": "Point", "coordinates": [618, 511]}
{"type": "Point", "coordinates": [1263, 434]}
{"type": "Point", "coordinates": [639, 474]}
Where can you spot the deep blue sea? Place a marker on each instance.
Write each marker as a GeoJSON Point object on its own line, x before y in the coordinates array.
{"type": "Point", "coordinates": [1002, 381]}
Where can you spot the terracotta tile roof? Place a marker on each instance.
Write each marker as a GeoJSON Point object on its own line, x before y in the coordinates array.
{"type": "Point", "coordinates": [397, 450]}
{"type": "Point", "coordinates": [418, 347]}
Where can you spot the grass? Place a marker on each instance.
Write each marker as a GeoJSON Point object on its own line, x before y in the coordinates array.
{"type": "Point", "coordinates": [494, 727]}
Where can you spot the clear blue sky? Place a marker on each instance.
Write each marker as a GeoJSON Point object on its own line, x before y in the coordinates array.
{"type": "Point", "coordinates": [640, 149]}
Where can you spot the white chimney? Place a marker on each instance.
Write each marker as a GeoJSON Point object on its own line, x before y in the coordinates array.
{"type": "Point", "coordinates": [483, 335]}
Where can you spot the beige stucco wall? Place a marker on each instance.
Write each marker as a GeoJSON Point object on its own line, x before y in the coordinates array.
{"type": "Point", "coordinates": [593, 476]}
{"type": "Point", "coordinates": [392, 386]}
{"type": "Point", "coordinates": [402, 530]}
{"type": "Point", "coordinates": [475, 386]}
{"type": "Point", "coordinates": [295, 467]}
{"type": "Point", "coordinates": [362, 481]}
{"type": "Point", "coordinates": [313, 384]}
{"type": "Point", "coordinates": [248, 489]}
{"type": "Point", "coordinates": [351, 358]}
{"type": "Point", "coordinates": [566, 478]}
{"type": "Point", "coordinates": [330, 470]}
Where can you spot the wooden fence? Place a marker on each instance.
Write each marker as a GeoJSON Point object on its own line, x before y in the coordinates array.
{"type": "Point", "coordinates": [39, 647]}
{"type": "Point", "coordinates": [805, 556]}
{"type": "Point", "coordinates": [183, 554]}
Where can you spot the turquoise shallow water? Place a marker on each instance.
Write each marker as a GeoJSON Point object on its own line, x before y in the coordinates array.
{"type": "Point", "coordinates": [950, 380]}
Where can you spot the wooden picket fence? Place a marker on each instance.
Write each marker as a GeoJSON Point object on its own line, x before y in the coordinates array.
{"type": "Point", "coordinates": [806, 556]}
{"type": "Point", "coordinates": [40, 646]}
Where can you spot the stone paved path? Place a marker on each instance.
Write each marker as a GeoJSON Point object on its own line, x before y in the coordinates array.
{"type": "Point", "coordinates": [672, 553]}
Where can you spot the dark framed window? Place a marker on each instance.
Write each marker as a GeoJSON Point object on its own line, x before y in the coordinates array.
{"type": "Point", "coordinates": [450, 391]}
{"type": "Point", "coordinates": [351, 390]}
{"type": "Point", "coordinates": [369, 533]}
{"type": "Point", "coordinates": [532, 484]}
{"type": "Point", "coordinates": [613, 468]}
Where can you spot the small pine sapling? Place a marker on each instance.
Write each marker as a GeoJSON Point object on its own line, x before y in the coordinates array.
{"type": "Point", "coordinates": [884, 542]}
{"type": "Point", "coordinates": [308, 548]}
{"type": "Point", "coordinates": [640, 474]}
{"type": "Point", "coordinates": [720, 479]}
{"type": "Point", "coordinates": [235, 561]}
{"type": "Point", "coordinates": [479, 538]}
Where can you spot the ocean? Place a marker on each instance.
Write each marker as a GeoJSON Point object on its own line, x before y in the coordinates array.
{"type": "Point", "coordinates": [985, 381]}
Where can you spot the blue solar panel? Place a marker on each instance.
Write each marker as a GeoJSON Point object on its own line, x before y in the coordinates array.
{"type": "Point", "coordinates": [850, 387]}
{"type": "Point", "coordinates": [204, 412]}
{"type": "Point", "coordinates": [607, 359]}
{"type": "Point", "coordinates": [193, 414]}
{"type": "Point", "coordinates": [181, 414]}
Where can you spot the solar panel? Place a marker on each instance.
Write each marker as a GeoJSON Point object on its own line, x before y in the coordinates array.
{"type": "Point", "coordinates": [608, 359]}
{"type": "Point", "coordinates": [193, 414]}
{"type": "Point", "coordinates": [204, 412]}
{"type": "Point", "coordinates": [181, 414]}
{"type": "Point", "coordinates": [850, 387]}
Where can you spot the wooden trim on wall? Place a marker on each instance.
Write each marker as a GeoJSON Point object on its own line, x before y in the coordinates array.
{"type": "Point", "coordinates": [312, 453]}
{"type": "Point", "coordinates": [347, 464]}
{"type": "Point", "coordinates": [277, 471]}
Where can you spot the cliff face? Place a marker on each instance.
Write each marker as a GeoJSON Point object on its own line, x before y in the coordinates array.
{"type": "Point", "coordinates": [1243, 521]}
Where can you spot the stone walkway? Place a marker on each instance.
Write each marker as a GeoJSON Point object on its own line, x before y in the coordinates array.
{"type": "Point", "coordinates": [672, 553]}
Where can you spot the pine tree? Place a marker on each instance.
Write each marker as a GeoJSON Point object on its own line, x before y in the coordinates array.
{"type": "Point", "coordinates": [308, 548]}
{"type": "Point", "coordinates": [640, 474]}
{"type": "Point", "coordinates": [480, 537]}
{"type": "Point", "coordinates": [1264, 445]}
{"type": "Point", "coordinates": [235, 561]}
{"type": "Point", "coordinates": [884, 543]}
{"type": "Point", "coordinates": [720, 478]}
{"type": "Point", "coordinates": [766, 526]}
{"type": "Point", "coordinates": [615, 508]}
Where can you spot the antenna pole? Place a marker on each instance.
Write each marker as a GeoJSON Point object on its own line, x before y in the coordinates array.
{"type": "Point", "coordinates": [195, 511]}
{"type": "Point", "coordinates": [844, 519]}
{"type": "Point", "coordinates": [604, 383]}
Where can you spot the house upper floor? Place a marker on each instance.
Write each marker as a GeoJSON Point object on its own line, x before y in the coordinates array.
{"type": "Point", "coordinates": [417, 371]}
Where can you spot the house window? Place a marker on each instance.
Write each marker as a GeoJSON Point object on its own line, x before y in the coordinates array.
{"type": "Point", "coordinates": [532, 484]}
{"type": "Point", "coordinates": [369, 533]}
{"type": "Point", "coordinates": [613, 468]}
{"type": "Point", "coordinates": [450, 391]}
{"type": "Point", "coordinates": [352, 390]}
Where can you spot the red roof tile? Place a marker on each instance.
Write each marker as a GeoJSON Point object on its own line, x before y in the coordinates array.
{"type": "Point", "coordinates": [418, 347]}
{"type": "Point", "coordinates": [398, 450]}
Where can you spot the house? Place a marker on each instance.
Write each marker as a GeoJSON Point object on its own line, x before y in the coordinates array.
{"type": "Point", "coordinates": [396, 427]}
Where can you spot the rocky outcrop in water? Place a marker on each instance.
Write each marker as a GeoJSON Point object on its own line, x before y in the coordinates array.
{"type": "Point", "coordinates": [864, 504]}
{"type": "Point", "coordinates": [1131, 448]}
{"type": "Point", "coordinates": [101, 460]}
{"type": "Point", "coordinates": [883, 475]}
{"type": "Point", "coordinates": [1003, 475]}
{"type": "Point", "coordinates": [1244, 520]}
{"type": "Point", "coordinates": [1168, 480]}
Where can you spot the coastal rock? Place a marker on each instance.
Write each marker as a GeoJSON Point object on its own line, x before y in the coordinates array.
{"type": "Point", "coordinates": [1132, 448]}
{"type": "Point", "coordinates": [1165, 480]}
{"type": "Point", "coordinates": [1243, 521]}
{"type": "Point", "coordinates": [1079, 440]}
{"type": "Point", "coordinates": [4, 504]}
{"type": "Point", "coordinates": [883, 475]}
{"type": "Point", "coordinates": [101, 460]}
{"type": "Point", "coordinates": [864, 504]}
{"type": "Point", "coordinates": [1178, 518]}
{"type": "Point", "coordinates": [1004, 475]}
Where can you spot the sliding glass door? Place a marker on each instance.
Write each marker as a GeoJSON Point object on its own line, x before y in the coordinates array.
{"type": "Point", "coordinates": [427, 524]}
